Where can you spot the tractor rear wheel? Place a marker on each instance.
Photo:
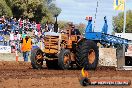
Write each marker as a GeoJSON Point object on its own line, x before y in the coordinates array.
{"type": "Point", "coordinates": [36, 58]}
{"type": "Point", "coordinates": [64, 59]}
{"type": "Point", "coordinates": [128, 61]}
{"type": "Point", "coordinates": [87, 54]}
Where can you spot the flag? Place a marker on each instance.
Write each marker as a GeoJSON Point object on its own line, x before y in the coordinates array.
{"type": "Point", "coordinates": [119, 4]}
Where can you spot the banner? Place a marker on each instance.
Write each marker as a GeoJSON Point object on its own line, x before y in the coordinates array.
{"type": "Point", "coordinates": [5, 49]}
{"type": "Point", "coordinates": [119, 5]}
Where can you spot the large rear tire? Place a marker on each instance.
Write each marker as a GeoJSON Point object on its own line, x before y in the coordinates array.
{"type": "Point", "coordinates": [36, 58]}
{"type": "Point", "coordinates": [87, 54]}
{"type": "Point", "coordinates": [64, 59]}
{"type": "Point", "coordinates": [128, 61]}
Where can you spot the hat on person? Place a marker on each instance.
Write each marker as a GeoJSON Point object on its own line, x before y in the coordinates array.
{"type": "Point", "coordinates": [24, 35]}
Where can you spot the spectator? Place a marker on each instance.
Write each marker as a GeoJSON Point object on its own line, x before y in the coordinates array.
{"type": "Point", "coordinates": [36, 33]}
{"type": "Point", "coordinates": [1, 27]}
{"type": "Point", "coordinates": [15, 29]}
{"type": "Point", "coordinates": [24, 34]}
{"type": "Point", "coordinates": [11, 36]}
{"type": "Point", "coordinates": [15, 37]}
{"type": "Point", "coordinates": [18, 41]}
{"type": "Point", "coordinates": [34, 25]}
{"type": "Point", "coordinates": [38, 27]}
{"type": "Point", "coordinates": [18, 36]}
{"type": "Point", "coordinates": [12, 25]}
{"type": "Point", "coordinates": [46, 28]}
{"type": "Point", "coordinates": [50, 27]}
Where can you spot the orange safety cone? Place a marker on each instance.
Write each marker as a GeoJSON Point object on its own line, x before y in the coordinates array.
{"type": "Point", "coordinates": [16, 55]}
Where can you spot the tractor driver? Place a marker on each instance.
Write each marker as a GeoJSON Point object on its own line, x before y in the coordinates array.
{"type": "Point", "coordinates": [75, 31]}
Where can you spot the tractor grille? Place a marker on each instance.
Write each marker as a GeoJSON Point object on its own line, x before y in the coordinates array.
{"type": "Point", "coordinates": [51, 44]}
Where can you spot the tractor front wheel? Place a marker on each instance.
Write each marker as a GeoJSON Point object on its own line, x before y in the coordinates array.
{"type": "Point", "coordinates": [36, 58]}
{"type": "Point", "coordinates": [64, 60]}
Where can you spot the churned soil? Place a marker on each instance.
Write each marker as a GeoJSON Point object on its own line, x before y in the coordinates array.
{"type": "Point", "coordinates": [21, 75]}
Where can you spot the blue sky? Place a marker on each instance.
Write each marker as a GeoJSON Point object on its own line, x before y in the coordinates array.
{"type": "Point", "coordinates": [76, 11]}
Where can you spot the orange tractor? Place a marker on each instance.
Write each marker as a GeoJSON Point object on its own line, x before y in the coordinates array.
{"type": "Point", "coordinates": [65, 50]}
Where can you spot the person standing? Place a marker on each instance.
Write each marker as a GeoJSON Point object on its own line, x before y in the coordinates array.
{"type": "Point", "coordinates": [11, 37]}
{"type": "Point", "coordinates": [38, 27]}
{"type": "Point", "coordinates": [18, 41]}
{"type": "Point", "coordinates": [26, 47]}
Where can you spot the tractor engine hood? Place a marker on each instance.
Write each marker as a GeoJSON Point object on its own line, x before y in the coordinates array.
{"type": "Point", "coordinates": [52, 33]}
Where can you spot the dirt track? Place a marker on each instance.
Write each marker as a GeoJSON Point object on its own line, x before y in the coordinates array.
{"type": "Point", "coordinates": [21, 75]}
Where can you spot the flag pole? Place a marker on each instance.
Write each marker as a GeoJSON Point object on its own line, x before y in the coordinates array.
{"type": "Point", "coordinates": [124, 31]}
{"type": "Point", "coordinates": [124, 26]}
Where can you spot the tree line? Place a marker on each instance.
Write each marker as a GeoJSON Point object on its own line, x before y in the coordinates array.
{"type": "Point", "coordinates": [37, 10]}
{"type": "Point", "coordinates": [118, 22]}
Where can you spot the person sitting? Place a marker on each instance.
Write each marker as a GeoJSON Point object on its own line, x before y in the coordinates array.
{"type": "Point", "coordinates": [75, 31]}
{"type": "Point", "coordinates": [1, 27]}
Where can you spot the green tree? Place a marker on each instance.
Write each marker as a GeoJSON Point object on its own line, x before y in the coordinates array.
{"type": "Point", "coordinates": [54, 10]}
{"type": "Point", "coordinates": [5, 9]}
{"type": "Point", "coordinates": [118, 22]}
{"type": "Point", "coordinates": [38, 10]}
{"type": "Point", "coordinates": [81, 27]}
{"type": "Point", "coordinates": [33, 9]}
{"type": "Point", "coordinates": [62, 25]}
{"type": "Point", "coordinates": [65, 24]}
